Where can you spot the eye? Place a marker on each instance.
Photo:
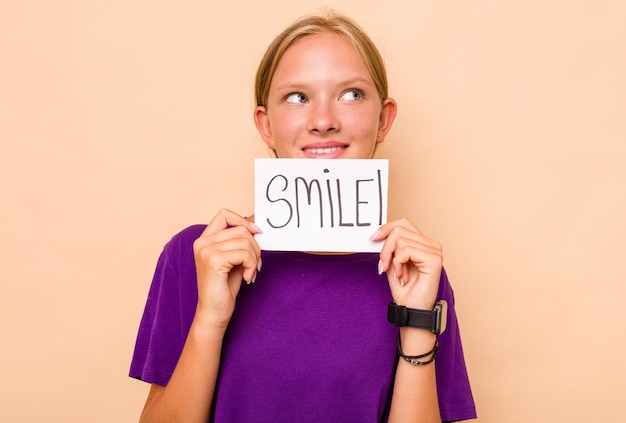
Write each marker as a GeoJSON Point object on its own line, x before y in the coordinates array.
{"type": "Point", "coordinates": [296, 98]}
{"type": "Point", "coordinates": [352, 95]}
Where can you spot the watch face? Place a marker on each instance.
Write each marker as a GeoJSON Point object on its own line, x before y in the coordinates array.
{"type": "Point", "coordinates": [441, 318]}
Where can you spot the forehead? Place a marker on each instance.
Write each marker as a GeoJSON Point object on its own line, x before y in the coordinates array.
{"type": "Point", "coordinates": [328, 51]}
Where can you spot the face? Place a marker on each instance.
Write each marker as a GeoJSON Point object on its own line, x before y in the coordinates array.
{"type": "Point", "coordinates": [323, 103]}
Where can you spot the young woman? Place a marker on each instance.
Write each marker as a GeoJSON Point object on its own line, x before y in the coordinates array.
{"type": "Point", "coordinates": [309, 340]}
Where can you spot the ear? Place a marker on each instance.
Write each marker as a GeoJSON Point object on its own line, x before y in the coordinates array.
{"type": "Point", "coordinates": [262, 121]}
{"type": "Point", "coordinates": [387, 116]}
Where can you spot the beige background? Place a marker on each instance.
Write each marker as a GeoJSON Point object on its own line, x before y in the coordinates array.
{"type": "Point", "coordinates": [122, 122]}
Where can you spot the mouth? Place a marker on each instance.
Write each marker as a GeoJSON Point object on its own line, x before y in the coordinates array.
{"type": "Point", "coordinates": [324, 151]}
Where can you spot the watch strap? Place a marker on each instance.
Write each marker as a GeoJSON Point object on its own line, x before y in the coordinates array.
{"type": "Point", "coordinates": [411, 317]}
{"type": "Point", "coordinates": [434, 320]}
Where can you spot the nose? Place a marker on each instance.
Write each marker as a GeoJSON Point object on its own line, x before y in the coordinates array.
{"type": "Point", "coordinates": [323, 118]}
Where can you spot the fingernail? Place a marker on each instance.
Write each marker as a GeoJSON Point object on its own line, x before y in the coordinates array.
{"type": "Point", "coordinates": [259, 265]}
{"type": "Point", "coordinates": [256, 228]}
{"type": "Point", "coordinates": [393, 272]}
{"type": "Point", "coordinates": [380, 267]}
{"type": "Point", "coordinates": [374, 236]}
{"type": "Point", "coordinates": [401, 282]}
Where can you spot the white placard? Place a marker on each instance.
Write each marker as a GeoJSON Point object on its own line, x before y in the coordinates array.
{"type": "Point", "coordinates": [320, 204]}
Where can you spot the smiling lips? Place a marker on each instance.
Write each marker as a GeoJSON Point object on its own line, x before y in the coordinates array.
{"type": "Point", "coordinates": [327, 151]}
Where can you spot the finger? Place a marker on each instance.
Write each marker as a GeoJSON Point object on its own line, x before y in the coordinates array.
{"type": "Point", "coordinates": [232, 233]}
{"type": "Point", "coordinates": [424, 258]}
{"type": "Point", "coordinates": [226, 218]}
{"type": "Point", "coordinates": [385, 230]}
{"type": "Point", "coordinates": [214, 251]}
{"type": "Point", "coordinates": [408, 254]}
{"type": "Point", "coordinates": [226, 225]}
{"type": "Point", "coordinates": [393, 235]}
{"type": "Point", "coordinates": [236, 255]}
{"type": "Point", "coordinates": [400, 272]}
{"type": "Point", "coordinates": [209, 251]}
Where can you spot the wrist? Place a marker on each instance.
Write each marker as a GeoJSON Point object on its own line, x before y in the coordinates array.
{"type": "Point", "coordinates": [416, 340]}
{"type": "Point", "coordinates": [417, 351]}
{"type": "Point", "coordinates": [206, 322]}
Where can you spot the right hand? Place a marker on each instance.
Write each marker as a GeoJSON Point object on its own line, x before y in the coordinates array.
{"type": "Point", "coordinates": [225, 254]}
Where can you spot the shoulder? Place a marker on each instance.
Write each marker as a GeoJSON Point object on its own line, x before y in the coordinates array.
{"type": "Point", "coordinates": [185, 238]}
{"type": "Point", "coordinates": [190, 233]}
{"type": "Point", "coordinates": [178, 251]}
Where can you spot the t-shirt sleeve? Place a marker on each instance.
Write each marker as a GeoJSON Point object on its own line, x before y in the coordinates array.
{"type": "Point", "coordinates": [453, 388]}
{"type": "Point", "coordinates": [168, 312]}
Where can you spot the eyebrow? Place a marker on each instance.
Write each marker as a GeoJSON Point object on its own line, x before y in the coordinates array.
{"type": "Point", "coordinates": [303, 85]}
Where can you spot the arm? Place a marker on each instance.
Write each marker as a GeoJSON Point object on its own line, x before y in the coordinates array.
{"type": "Point", "coordinates": [225, 253]}
{"type": "Point", "coordinates": [414, 397]}
{"type": "Point", "coordinates": [413, 264]}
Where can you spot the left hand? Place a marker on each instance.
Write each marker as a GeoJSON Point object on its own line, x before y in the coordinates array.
{"type": "Point", "coordinates": [413, 264]}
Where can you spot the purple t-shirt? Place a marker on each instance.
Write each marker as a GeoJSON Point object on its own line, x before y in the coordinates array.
{"type": "Point", "coordinates": [308, 342]}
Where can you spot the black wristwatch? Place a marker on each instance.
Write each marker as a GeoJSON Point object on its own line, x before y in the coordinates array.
{"type": "Point", "coordinates": [434, 320]}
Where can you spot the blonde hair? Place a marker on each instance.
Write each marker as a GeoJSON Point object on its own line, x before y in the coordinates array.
{"type": "Point", "coordinates": [326, 21]}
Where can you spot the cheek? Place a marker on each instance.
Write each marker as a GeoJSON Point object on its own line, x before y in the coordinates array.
{"type": "Point", "coordinates": [365, 126]}
{"type": "Point", "coordinates": [285, 125]}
